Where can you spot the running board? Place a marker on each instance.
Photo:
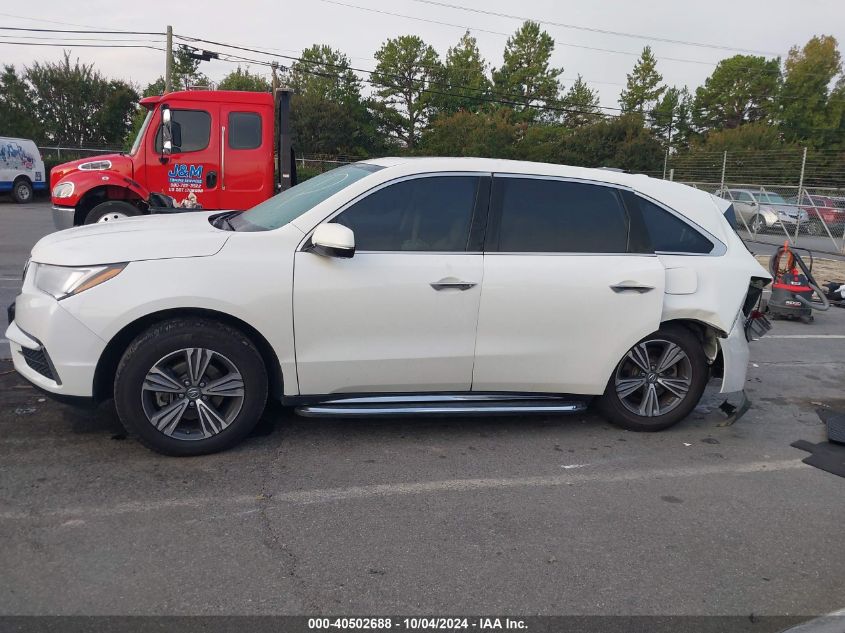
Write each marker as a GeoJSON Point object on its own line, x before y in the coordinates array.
{"type": "Point", "coordinates": [392, 406]}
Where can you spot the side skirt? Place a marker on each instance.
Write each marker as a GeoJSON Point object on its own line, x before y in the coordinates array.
{"type": "Point", "coordinates": [369, 405]}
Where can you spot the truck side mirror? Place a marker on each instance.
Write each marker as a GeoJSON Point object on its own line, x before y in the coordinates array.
{"type": "Point", "coordinates": [166, 131]}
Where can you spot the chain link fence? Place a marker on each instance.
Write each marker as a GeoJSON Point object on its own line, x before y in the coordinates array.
{"type": "Point", "coordinates": [795, 195]}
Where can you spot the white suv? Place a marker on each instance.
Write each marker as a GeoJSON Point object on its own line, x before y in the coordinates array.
{"type": "Point", "coordinates": [397, 286]}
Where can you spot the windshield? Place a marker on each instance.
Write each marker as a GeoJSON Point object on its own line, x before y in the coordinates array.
{"type": "Point", "coordinates": [137, 142]}
{"type": "Point", "coordinates": [289, 205]}
{"type": "Point", "coordinates": [771, 198]}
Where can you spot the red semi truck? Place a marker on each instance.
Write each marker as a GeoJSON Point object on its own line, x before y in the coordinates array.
{"type": "Point", "coordinates": [197, 149]}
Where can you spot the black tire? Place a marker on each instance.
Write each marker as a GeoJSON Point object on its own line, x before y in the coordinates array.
{"type": "Point", "coordinates": [110, 211]}
{"type": "Point", "coordinates": [760, 221]}
{"type": "Point", "coordinates": [170, 338]}
{"type": "Point", "coordinates": [612, 407]}
{"type": "Point", "coordinates": [22, 191]}
{"type": "Point", "coordinates": [814, 227]}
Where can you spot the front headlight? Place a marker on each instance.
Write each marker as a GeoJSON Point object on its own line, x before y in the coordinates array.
{"type": "Point", "coordinates": [66, 281]}
{"type": "Point", "coordinates": [63, 190]}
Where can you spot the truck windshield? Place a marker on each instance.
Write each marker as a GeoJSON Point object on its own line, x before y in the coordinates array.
{"type": "Point", "coordinates": [137, 142]}
{"type": "Point", "coordinates": [289, 205]}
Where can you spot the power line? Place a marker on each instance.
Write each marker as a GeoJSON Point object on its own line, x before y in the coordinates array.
{"type": "Point", "coordinates": [593, 29]}
{"type": "Point", "coordinates": [503, 34]}
{"type": "Point", "coordinates": [73, 45]}
{"type": "Point", "coordinates": [479, 98]}
{"type": "Point", "coordinates": [80, 39]}
{"type": "Point", "coordinates": [93, 32]}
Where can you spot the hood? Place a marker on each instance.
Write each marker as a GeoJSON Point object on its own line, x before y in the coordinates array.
{"type": "Point", "coordinates": [120, 163]}
{"type": "Point", "coordinates": [784, 209]}
{"type": "Point", "coordinates": [162, 236]}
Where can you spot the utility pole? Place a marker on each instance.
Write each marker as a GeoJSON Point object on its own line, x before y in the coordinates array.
{"type": "Point", "coordinates": [168, 67]}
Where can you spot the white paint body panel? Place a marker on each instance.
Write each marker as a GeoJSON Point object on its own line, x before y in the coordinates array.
{"type": "Point", "coordinates": [373, 323]}
{"type": "Point", "coordinates": [551, 323]}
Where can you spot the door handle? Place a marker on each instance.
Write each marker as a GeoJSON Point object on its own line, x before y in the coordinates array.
{"type": "Point", "coordinates": [211, 179]}
{"type": "Point", "coordinates": [632, 286]}
{"type": "Point", "coordinates": [447, 284]}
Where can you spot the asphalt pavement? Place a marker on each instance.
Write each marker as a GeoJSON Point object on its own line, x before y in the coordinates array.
{"type": "Point", "coordinates": [519, 515]}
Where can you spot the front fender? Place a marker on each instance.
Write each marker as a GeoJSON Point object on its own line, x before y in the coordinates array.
{"type": "Point", "coordinates": [85, 181]}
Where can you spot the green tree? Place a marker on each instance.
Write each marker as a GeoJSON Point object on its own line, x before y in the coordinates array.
{"type": "Point", "coordinates": [406, 68]}
{"type": "Point", "coordinates": [526, 76]}
{"type": "Point", "coordinates": [489, 134]}
{"type": "Point", "coordinates": [324, 73]}
{"type": "Point", "coordinates": [809, 111]}
{"type": "Point", "coordinates": [742, 89]}
{"type": "Point", "coordinates": [644, 86]}
{"type": "Point", "coordinates": [581, 103]}
{"type": "Point", "coordinates": [671, 117]}
{"type": "Point", "coordinates": [16, 107]}
{"type": "Point", "coordinates": [328, 115]}
{"type": "Point", "coordinates": [77, 106]}
{"type": "Point", "coordinates": [462, 82]}
{"type": "Point", "coordinates": [622, 142]}
{"type": "Point", "coordinates": [759, 135]}
{"type": "Point", "coordinates": [242, 79]}
{"type": "Point", "coordinates": [185, 73]}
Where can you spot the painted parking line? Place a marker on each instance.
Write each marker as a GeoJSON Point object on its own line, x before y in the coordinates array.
{"type": "Point", "coordinates": [398, 489]}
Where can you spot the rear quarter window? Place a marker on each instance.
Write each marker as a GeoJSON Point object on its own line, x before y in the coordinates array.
{"type": "Point", "coordinates": [669, 233]}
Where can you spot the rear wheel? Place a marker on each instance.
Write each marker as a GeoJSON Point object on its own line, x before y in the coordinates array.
{"type": "Point", "coordinates": [110, 211]}
{"type": "Point", "coordinates": [22, 191]}
{"type": "Point", "coordinates": [190, 387]}
{"type": "Point", "coordinates": [815, 228]}
{"type": "Point", "coordinates": [658, 382]}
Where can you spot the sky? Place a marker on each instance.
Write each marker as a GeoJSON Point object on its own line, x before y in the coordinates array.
{"type": "Point", "coordinates": [768, 26]}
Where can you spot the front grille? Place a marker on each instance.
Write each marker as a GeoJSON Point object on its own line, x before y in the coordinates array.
{"type": "Point", "coordinates": [37, 360]}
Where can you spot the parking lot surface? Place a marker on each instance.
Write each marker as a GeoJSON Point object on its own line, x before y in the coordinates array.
{"type": "Point", "coordinates": [522, 515]}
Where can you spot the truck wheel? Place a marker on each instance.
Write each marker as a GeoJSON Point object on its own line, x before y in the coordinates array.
{"type": "Point", "coordinates": [22, 191]}
{"type": "Point", "coordinates": [657, 383]}
{"type": "Point", "coordinates": [190, 386]}
{"type": "Point", "coordinates": [110, 211]}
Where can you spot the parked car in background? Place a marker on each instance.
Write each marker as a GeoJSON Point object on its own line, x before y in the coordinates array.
{"type": "Point", "coordinates": [397, 286]}
{"type": "Point", "coordinates": [763, 210]}
{"type": "Point", "coordinates": [21, 169]}
{"type": "Point", "coordinates": [821, 211]}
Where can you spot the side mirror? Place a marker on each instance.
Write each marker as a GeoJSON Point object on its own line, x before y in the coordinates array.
{"type": "Point", "coordinates": [166, 131]}
{"type": "Point", "coordinates": [753, 203]}
{"type": "Point", "coordinates": [333, 240]}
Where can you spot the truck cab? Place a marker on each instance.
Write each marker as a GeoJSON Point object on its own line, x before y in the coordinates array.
{"type": "Point", "coordinates": [197, 149]}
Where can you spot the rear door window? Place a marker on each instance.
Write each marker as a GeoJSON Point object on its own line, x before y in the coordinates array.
{"type": "Point", "coordinates": [538, 215]}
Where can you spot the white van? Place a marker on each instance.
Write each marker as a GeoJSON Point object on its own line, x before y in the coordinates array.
{"type": "Point", "coordinates": [21, 169]}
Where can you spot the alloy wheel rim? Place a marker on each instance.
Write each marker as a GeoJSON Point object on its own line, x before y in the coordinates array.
{"type": "Point", "coordinates": [110, 217]}
{"type": "Point", "coordinates": [192, 394]}
{"type": "Point", "coordinates": [654, 378]}
{"type": "Point", "coordinates": [23, 192]}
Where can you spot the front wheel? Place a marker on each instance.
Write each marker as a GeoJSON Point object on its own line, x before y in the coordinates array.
{"type": "Point", "coordinates": [110, 211]}
{"type": "Point", "coordinates": [658, 382]}
{"type": "Point", "coordinates": [190, 387]}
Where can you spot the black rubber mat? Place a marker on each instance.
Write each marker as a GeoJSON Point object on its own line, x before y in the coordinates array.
{"type": "Point", "coordinates": [827, 456]}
